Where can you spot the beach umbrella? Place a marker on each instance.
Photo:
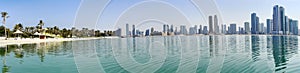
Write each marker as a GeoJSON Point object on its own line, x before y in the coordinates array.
{"type": "Point", "coordinates": [18, 32]}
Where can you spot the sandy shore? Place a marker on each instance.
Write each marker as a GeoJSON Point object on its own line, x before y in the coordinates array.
{"type": "Point", "coordinates": [12, 41]}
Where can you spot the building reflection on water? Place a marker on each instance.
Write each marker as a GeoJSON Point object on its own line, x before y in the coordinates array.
{"type": "Point", "coordinates": [283, 49]}
{"type": "Point", "coordinates": [21, 51]}
{"type": "Point", "coordinates": [279, 49]}
{"type": "Point", "coordinates": [212, 53]}
{"type": "Point", "coordinates": [255, 47]}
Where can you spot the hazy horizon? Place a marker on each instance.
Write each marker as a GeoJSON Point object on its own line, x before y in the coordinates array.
{"type": "Point", "coordinates": [62, 13]}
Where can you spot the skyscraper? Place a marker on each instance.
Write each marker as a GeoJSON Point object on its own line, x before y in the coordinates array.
{"type": "Point", "coordinates": [133, 30]}
{"type": "Point", "coordinates": [240, 31]}
{"type": "Point", "coordinates": [165, 28]}
{"type": "Point", "coordinates": [147, 32]}
{"type": "Point", "coordinates": [254, 23]}
{"type": "Point", "coordinates": [183, 29]}
{"type": "Point", "coordinates": [269, 26]}
{"type": "Point", "coordinates": [118, 32]}
{"type": "Point", "coordinates": [257, 25]}
{"type": "Point", "coordinates": [195, 29]}
{"type": "Point", "coordinates": [291, 26]}
{"type": "Point", "coordinates": [168, 29]}
{"type": "Point", "coordinates": [224, 29]}
{"type": "Point", "coordinates": [247, 27]}
{"type": "Point", "coordinates": [294, 26]}
{"type": "Point", "coordinates": [205, 31]}
{"type": "Point", "coordinates": [127, 30]}
{"type": "Point", "coordinates": [152, 30]}
{"type": "Point", "coordinates": [172, 28]}
{"type": "Point", "coordinates": [261, 28]}
{"type": "Point", "coordinates": [232, 29]}
{"type": "Point", "coordinates": [282, 21]}
{"type": "Point", "coordinates": [276, 20]}
{"type": "Point", "coordinates": [191, 31]}
{"type": "Point", "coordinates": [200, 29]}
{"type": "Point", "coordinates": [216, 25]}
{"type": "Point", "coordinates": [287, 26]}
{"type": "Point", "coordinates": [210, 22]}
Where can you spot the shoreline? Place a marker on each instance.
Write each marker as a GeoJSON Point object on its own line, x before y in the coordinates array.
{"type": "Point", "coordinates": [12, 41]}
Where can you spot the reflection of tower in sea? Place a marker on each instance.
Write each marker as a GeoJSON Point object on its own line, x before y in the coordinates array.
{"type": "Point", "coordinates": [255, 47]}
{"type": "Point", "coordinates": [279, 53]}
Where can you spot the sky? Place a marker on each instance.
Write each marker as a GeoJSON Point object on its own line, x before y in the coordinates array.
{"type": "Point", "coordinates": [62, 13]}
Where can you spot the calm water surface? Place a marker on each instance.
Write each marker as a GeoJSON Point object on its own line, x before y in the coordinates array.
{"type": "Point", "coordinates": [174, 54]}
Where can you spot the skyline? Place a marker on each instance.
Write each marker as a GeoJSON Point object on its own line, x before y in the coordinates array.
{"type": "Point", "coordinates": [62, 14]}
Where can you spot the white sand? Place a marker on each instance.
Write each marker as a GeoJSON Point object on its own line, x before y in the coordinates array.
{"type": "Point", "coordinates": [12, 41]}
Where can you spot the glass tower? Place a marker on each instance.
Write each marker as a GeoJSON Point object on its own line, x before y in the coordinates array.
{"type": "Point", "coordinates": [254, 23]}
{"type": "Point", "coordinates": [276, 20]}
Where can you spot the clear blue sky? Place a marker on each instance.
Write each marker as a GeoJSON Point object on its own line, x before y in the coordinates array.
{"type": "Point", "coordinates": [62, 12]}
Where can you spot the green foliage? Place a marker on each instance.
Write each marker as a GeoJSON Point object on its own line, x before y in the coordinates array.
{"type": "Point", "coordinates": [2, 31]}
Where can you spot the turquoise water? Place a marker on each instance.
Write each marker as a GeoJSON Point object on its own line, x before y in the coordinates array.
{"type": "Point", "coordinates": [173, 54]}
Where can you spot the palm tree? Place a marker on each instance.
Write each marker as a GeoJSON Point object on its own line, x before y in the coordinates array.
{"type": "Point", "coordinates": [41, 24]}
{"type": "Point", "coordinates": [56, 30]}
{"type": "Point", "coordinates": [4, 16]}
{"type": "Point", "coordinates": [18, 27]}
{"type": "Point", "coordinates": [39, 27]}
{"type": "Point", "coordinates": [27, 29]}
{"type": "Point", "coordinates": [31, 30]}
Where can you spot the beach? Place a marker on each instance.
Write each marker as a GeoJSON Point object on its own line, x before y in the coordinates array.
{"type": "Point", "coordinates": [11, 41]}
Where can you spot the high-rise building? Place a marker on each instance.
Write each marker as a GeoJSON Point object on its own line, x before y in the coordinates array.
{"type": "Point", "coordinates": [147, 33]}
{"type": "Point", "coordinates": [118, 32]}
{"type": "Point", "coordinates": [265, 30]}
{"type": "Point", "coordinates": [269, 26]}
{"type": "Point", "coordinates": [276, 20]}
{"type": "Point", "coordinates": [287, 26]}
{"type": "Point", "coordinates": [216, 25]}
{"type": "Point", "coordinates": [168, 29]}
{"type": "Point", "coordinates": [200, 29]}
{"type": "Point", "coordinates": [247, 27]}
{"type": "Point", "coordinates": [133, 30]}
{"type": "Point", "coordinates": [232, 29]}
{"type": "Point", "coordinates": [195, 29]}
{"type": "Point", "coordinates": [291, 26]}
{"type": "Point", "coordinates": [137, 32]}
{"type": "Point", "coordinates": [183, 30]}
{"type": "Point", "coordinates": [282, 21]}
{"type": "Point", "coordinates": [191, 31]}
{"type": "Point", "coordinates": [152, 30]}
{"type": "Point", "coordinates": [224, 29]}
{"type": "Point", "coordinates": [165, 28]}
{"type": "Point", "coordinates": [228, 30]}
{"type": "Point", "coordinates": [254, 23]}
{"type": "Point", "coordinates": [172, 28]}
{"type": "Point", "coordinates": [210, 22]}
{"type": "Point", "coordinates": [205, 31]}
{"type": "Point", "coordinates": [176, 31]}
{"type": "Point", "coordinates": [257, 25]}
{"type": "Point", "coordinates": [294, 26]}
{"type": "Point", "coordinates": [261, 28]}
{"type": "Point", "coordinates": [127, 30]}
{"type": "Point", "coordinates": [240, 31]}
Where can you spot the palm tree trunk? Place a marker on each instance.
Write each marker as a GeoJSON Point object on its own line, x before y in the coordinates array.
{"type": "Point", "coordinates": [4, 28]}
